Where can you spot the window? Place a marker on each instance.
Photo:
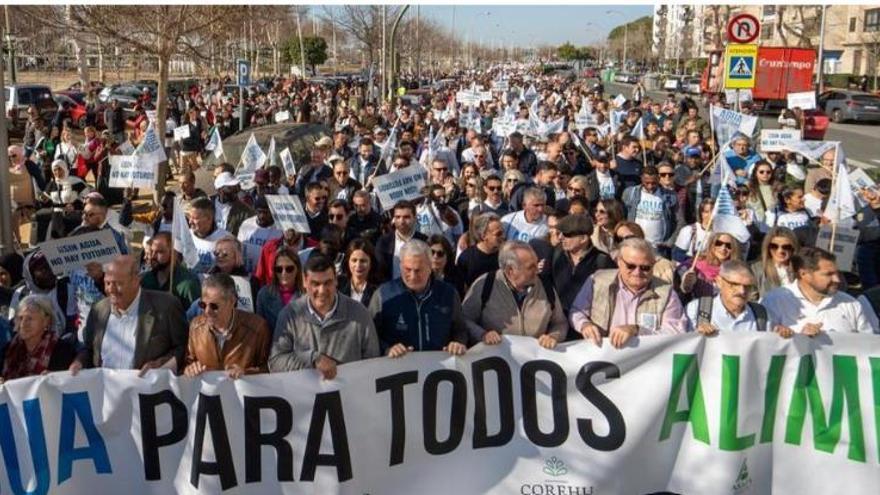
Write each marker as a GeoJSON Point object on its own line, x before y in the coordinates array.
{"type": "Point", "coordinates": [852, 24]}
{"type": "Point", "coordinates": [769, 10]}
{"type": "Point", "coordinates": [872, 20]}
{"type": "Point", "coordinates": [857, 62]}
{"type": "Point", "coordinates": [767, 31]}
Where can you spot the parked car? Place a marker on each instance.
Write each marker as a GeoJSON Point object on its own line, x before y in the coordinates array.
{"type": "Point", "coordinates": [843, 105]}
{"type": "Point", "coordinates": [672, 83]}
{"type": "Point", "coordinates": [127, 95]}
{"type": "Point", "coordinates": [626, 78]}
{"type": "Point", "coordinates": [76, 109]}
{"type": "Point", "coordinates": [815, 124]}
{"type": "Point", "coordinates": [19, 97]}
{"type": "Point", "coordinates": [692, 85]}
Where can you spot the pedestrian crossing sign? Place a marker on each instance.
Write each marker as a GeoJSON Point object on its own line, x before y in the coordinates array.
{"type": "Point", "coordinates": [739, 68]}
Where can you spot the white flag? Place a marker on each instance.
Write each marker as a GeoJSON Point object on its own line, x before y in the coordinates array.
{"type": "Point", "coordinates": [271, 152]}
{"type": "Point", "coordinates": [638, 130]}
{"type": "Point", "coordinates": [725, 218]}
{"type": "Point", "coordinates": [252, 157]}
{"type": "Point", "coordinates": [728, 124]}
{"type": "Point", "coordinates": [182, 236]}
{"type": "Point", "coordinates": [215, 143]}
{"type": "Point", "coordinates": [150, 152]}
{"type": "Point", "coordinates": [841, 205]}
{"type": "Point", "coordinates": [722, 173]}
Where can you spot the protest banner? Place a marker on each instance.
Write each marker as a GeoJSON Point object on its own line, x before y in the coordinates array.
{"type": "Point", "coordinates": [805, 100]}
{"type": "Point", "coordinates": [501, 85]}
{"type": "Point", "coordinates": [860, 180]}
{"type": "Point", "coordinates": [282, 116]}
{"type": "Point", "coordinates": [181, 133]}
{"type": "Point", "coordinates": [125, 148]}
{"type": "Point", "coordinates": [740, 413]}
{"type": "Point", "coordinates": [151, 152]}
{"type": "Point", "coordinates": [778, 139]}
{"type": "Point", "coordinates": [397, 186]}
{"type": "Point", "coordinates": [151, 116]}
{"type": "Point", "coordinates": [287, 161]}
{"type": "Point", "coordinates": [68, 253]}
{"type": "Point", "coordinates": [845, 240]}
{"type": "Point", "coordinates": [728, 123]}
{"type": "Point", "coordinates": [129, 171]}
{"type": "Point", "coordinates": [244, 293]}
{"type": "Point", "coordinates": [288, 212]}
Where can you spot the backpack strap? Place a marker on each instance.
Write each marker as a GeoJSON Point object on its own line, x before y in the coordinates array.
{"type": "Point", "coordinates": [487, 289]}
{"type": "Point", "coordinates": [704, 310]}
{"type": "Point", "coordinates": [760, 313]}
{"type": "Point", "coordinates": [550, 290]}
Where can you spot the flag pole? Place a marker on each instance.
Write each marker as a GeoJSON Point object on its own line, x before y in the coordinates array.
{"type": "Point", "coordinates": [834, 221]}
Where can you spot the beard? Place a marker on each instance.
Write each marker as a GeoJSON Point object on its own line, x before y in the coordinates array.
{"type": "Point", "coordinates": [158, 267]}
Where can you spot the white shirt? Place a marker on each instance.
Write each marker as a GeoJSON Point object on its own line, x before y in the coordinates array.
{"type": "Point", "coordinates": [840, 312]}
{"type": "Point", "coordinates": [431, 222]}
{"type": "Point", "coordinates": [252, 238]}
{"type": "Point", "coordinates": [222, 213]}
{"type": "Point", "coordinates": [120, 337]}
{"type": "Point", "coordinates": [688, 242]}
{"type": "Point", "coordinates": [723, 319]}
{"type": "Point", "coordinates": [606, 185]}
{"type": "Point", "coordinates": [205, 249]}
{"type": "Point", "coordinates": [399, 241]}
{"type": "Point", "coordinates": [649, 216]}
{"type": "Point", "coordinates": [516, 228]}
{"type": "Point", "coordinates": [813, 204]}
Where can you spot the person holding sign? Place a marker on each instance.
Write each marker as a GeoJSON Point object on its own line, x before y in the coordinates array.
{"type": "Point", "coordinates": [39, 280]}
{"type": "Point", "coordinates": [225, 337]}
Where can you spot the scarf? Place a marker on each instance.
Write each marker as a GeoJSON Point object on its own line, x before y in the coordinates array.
{"type": "Point", "coordinates": [708, 270]}
{"type": "Point", "coordinates": [20, 362]}
{"type": "Point", "coordinates": [286, 294]}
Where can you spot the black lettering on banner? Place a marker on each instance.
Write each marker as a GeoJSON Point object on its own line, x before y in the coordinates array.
{"type": "Point", "coordinates": [528, 385]}
{"type": "Point", "coordinates": [254, 438]}
{"type": "Point", "coordinates": [395, 384]}
{"type": "Point", "coordinates": [456, 414]}
{"type": "Point", "coordinates": [482, 439]}
{"type": "Point", "coordinates": [328, 407]}
{"type": "Point", "coordinates": [151, 441]}
{"type": "Point", "coordinates": [616, 426]}
{"type": "Point", "coordinates": [210, 408]}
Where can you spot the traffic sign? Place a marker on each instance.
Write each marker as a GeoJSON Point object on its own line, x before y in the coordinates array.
{"type": "Point", "coordinates": [244, 72]}
{"type": "Point", "coordinates": [739, 66]}
{"type": "Point", "coordinates": [743, 28]}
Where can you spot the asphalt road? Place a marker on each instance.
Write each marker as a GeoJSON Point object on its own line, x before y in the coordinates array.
{"type": "Point", "coordinates": [860, 141]}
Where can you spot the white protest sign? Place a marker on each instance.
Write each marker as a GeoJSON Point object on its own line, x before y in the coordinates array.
{"type": "Point", "coordinates": [130, 171]}
{"type": "Point", "coordinates": [403, 184]}
{"type": "Point", "coordinates": [728, 122]}
{"type": "Point", "coordinates": [244, 293]}
{"type": "Point", "coordinates": [181, 133]}
{"type": "Point", "coordinates": [502, 85]}
{"type": "Point", "coordinates": [151, 116]}
{"type": "Point", "coordinates": [805, 100]}
{"type": "Point", "coordinates": [859, 180]}
{"type": "Point", "coordinates": [485, 95]}
{"type": "Point", "coordinates": [287, 161]}
{"type": "Point", "coordinates": [150, 151]}
{"type": "Point", "coordinates": [125, 148]}
{"type": "Point", "coordinates": [845, 242]}
{"type": "Point", "coordinates": [282, 116]}
{"type": "Point", "coordinates": [619, 100]}
{"type": "Point", "coordinates": [66, 254]}
{"type": "Point", "coordinates": [288, 212]}
{"type": "Point", "coordinates": [468, 98]}
{"type": "Point", "coordinates": [778, 139]}
{"type": "Point", "coordinates": [582, 120]}
{"type": "Point", "coordinates": [731, 96]}
{"type": "Point", "coordinates": [740, 413]}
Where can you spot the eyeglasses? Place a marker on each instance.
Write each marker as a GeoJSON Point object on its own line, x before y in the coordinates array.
{"type": "Point", "coordinates": [666, 174]}
{"type": "Point", "coordinates": [618, 239]}
{"type": "Point", "coordinates": [211, 306]}
{"type": "Point", "coordinates": [320, 198]}
{"type": "Point", "coordinates": [336, 216]}
{"type": "Point", "coordinates": [285, 269]}
{"type": "Point", "coordinates": [633, 267]}
{"type": "Point", "coordinates": [727, 245]}
{"type": "Point", "coordinates": [511, 180]}
{"type": "Point", "coordinates": [735, 284]}
{"type": "Point", "coordinates": [222, 254]}
{"type": "Point", "coordinates": [785, 247]}
{"type": "Point", "coordinates": [569, 235]}
{"type": "Point", "coordinates": [493, 188]}
{"type": "Point", "coordinates": [764, 172]}
{"type": "Point", "coordinates": [438, 253]}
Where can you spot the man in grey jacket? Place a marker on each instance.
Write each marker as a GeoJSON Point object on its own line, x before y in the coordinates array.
{"type": "Point", "coordinates": [323, 329]}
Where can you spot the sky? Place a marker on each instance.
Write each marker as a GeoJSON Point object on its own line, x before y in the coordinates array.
{"type": "Point", "coordinates": [527, 25]}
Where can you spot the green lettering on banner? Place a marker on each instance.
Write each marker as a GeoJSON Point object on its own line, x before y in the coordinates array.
{"type": "Point", "coordinates": [845, 389]}
{"type": "Point", "coordinates": [771, 397]}
{"type": "Point", "coordinates": [684, 366]}
{"type": "Point", "coordinates": [875, 380]}
{"type": "Point", "coordinates": [727, 436]}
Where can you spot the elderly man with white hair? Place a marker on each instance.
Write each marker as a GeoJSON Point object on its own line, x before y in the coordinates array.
{"type": "Point", "coordinates": [514, 301]}
{"type": "Point", "coordinates": [628, 301]}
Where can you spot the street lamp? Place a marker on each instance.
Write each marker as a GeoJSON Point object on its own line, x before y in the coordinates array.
{"type": "Point", "coordinates": [625, 34]}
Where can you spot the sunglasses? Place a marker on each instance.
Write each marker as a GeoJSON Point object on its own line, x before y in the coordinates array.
{"type": "Point", "coordinates": [666, 174]}
{"type": "Point", "coordinates": [727, 245]}
{"type": "Point", "coordinates": [633, 267]}
{"type": "Point", "coordinates": [321, 198]}
{"type": "Point", "coordinates": [618, 239]}
{"type": "Point", "coordinates": [211, 306]}
{"type": "Point", "coordinates": [439, 253]}
{"type": "Point", "coordinates": [336, 216]}
{"type": "Point", "coordinates": [285, 269]}
{"type": "Point", "coordinates": [734, 284]}
{"type": "Point", "coordinates": [785, 247]}
{"type": "Point", "coordinates": [764, 172]}
{"type": "Point", "coordinates": [494, 188]}
{"type": "Point", "coordinates": [569, 235]}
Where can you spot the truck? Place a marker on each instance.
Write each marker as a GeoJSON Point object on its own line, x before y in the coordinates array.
{"type": "Point", "coordinates": [779, 71]}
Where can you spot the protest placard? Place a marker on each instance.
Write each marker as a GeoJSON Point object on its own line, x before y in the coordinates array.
{"type": "Point", "coordinates": [288, 212]}
{"type": "Point", "coordinates": [731, 96]}
{"type": "Point", "coordinates": [859, 180]}
{"type": "Point", "coordinates": [244, 293]}
{"type": "Point", "coordinates": [501, 85]}
{"type": "Point", "coordinates": [397, 186]}
{"type": "Point", "coordinates": [805, 100]}
{"type": "Point", "coordinates": [728, 123]}
{"type": "Point", "coordinates": [68, 253]}
{"type": "Point", "coordinates": [125, 148]}
{"type": "Point", "coordinates": [287, 161]}
{"type": "Point", "coordinates": [151, 116]}
{"type": "Point", "coordinates": [130, 171]}
{"type": "Point", "coordinates": [181, 133]}
{"type": "Point", "coordinates": [844, 244]}
{"type": "Point", "coordinates": [619, 100]}
{"type": "Point", "coordinates": [778, 139]}
{"type": "Point", "coordinates": [282, 116]}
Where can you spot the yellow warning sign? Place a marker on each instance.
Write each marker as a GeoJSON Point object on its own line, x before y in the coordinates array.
{"type": "Point", "coordinates": [740, 62]}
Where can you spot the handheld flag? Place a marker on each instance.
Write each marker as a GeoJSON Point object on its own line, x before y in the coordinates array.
{"type": "Point", "coordinates": [271, 152]}
{"type": "Point", "coordinates": [725, 218]}
{"type": "Point", "coordinates": [182, 236]}
{"type": "Point", "coordinates": [215, 143]}
{"type": "Point", "coordinates": [841, 204]}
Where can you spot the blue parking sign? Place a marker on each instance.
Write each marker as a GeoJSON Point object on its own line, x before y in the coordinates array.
{"type": "Point", "coordinates": [244, 73]}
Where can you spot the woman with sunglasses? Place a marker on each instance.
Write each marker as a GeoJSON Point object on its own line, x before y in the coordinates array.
{"type": "Point", "coordinates": [608, 213]}
{"type": "Point", "coordinates": [359, 278]}
{"type": "Point", "coordinates": [286, 286]}
{"type": "Point", "coordinates": [443, 262]}
{"type": "Point", "coordinates": [774, 269]}
{"type": "Point", "coordinates": [698, 280]}
{"type": "Point", "coordinates": [762, 189]}
{"type": "Point", "coordinates": [691, 237]}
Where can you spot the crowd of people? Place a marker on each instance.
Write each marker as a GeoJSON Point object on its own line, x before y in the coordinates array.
{"type": "Point", "coordinates": [603, 230]}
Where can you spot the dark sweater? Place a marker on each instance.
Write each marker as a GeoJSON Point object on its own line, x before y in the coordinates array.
{"type": "Point", "coordinates": [569, 279]}
{"type": "Point", "coordinates": [472, 263]}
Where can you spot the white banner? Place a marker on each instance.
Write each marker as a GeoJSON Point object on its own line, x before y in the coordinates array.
{"type": "Point", "coordinates": [778, 139]}
{"type": "Point", "coordinates": [282, 116]}
{"type": "Point", "coordinates": [397, 186]}
{"type": "Point", "coordinates": [728, 123]}
{"type": "Point", "coordinates": [805, 100]}
{"type": "Point", "coordinates": [181, 133]}
{"type": "Point", "coordinates": [288, 212]}
{"type": "Point", "coordinates": [69, 253]}
{"type": "Point", "coordinates": [130, 171]}
{"type": "Point", "coordinates": [287, 161]}
{"type": "Point", "coordinates": [734, 414]}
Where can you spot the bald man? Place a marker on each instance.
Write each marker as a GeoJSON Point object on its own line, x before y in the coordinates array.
{"type": "Point", "coordinates": [132, 328]}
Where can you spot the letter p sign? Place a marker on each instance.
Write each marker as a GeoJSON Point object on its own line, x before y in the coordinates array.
{"type": "Point", "coordinates": [244, 73]}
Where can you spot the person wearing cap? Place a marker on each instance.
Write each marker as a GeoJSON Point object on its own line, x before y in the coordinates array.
{"type": "Point", "coordinates": [514, 300]}
{"type": "Point", "coordinates": [255, 231]}
{"type": "Point", "coordinates": [741, 158]}
{"type": "Point", "coordinates": [575, 258]}
{"type": "Point", "coordinates": [230, 210]}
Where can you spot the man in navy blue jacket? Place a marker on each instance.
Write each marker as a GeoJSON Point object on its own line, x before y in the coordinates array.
{"type": "Point", "coordinates": [417, 312]}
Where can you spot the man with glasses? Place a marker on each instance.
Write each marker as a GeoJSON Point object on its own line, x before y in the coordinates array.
{"type": "Point", "coordinates": [224, 338]}
{"type": "Point", "coordinates": [493, 201]}
{"type": "Point", "coordinates": [623, 303]}
{"type": "Point", "coordinates": [478, 153]}
{"type": "Point", "coordinates": [439, 171]}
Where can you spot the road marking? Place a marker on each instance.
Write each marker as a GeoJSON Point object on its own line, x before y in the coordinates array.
{"type": "Point", "coordinates": [861, 164]}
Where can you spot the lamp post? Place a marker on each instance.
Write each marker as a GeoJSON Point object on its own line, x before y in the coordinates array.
{"type": "Point", "coordinates": [625, 35]}
{"type": "Point", "coordinates": [820, 71]}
